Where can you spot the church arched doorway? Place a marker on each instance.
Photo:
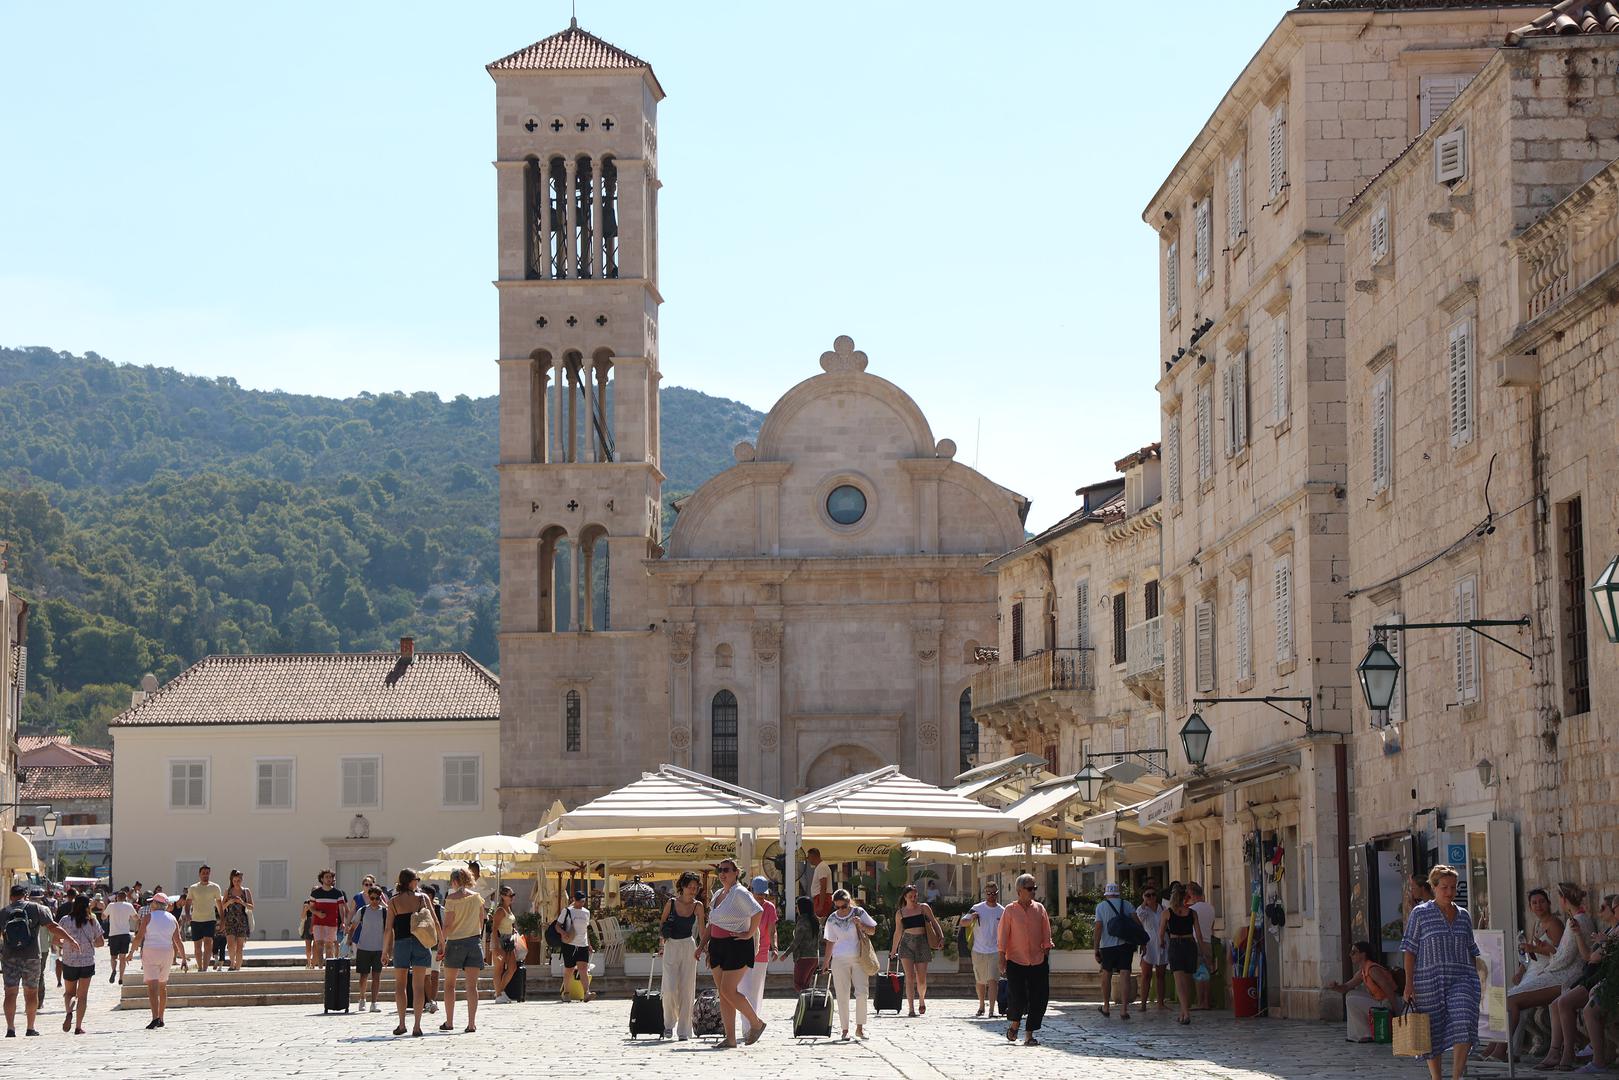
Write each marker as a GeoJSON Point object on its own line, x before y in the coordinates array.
{"type": "Point", "coordinates": [840, 763]}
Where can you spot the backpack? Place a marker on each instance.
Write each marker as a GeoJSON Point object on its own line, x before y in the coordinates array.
{"type": "Point", "coordinates": [1125, 928]}
{"type": "Point", "coordinates": [20, 930]}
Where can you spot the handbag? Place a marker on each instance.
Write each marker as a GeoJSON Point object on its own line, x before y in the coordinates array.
{"type": "Point", "coordinates": [422, 928]}
{"type": "Point", "coordinates": [868, 953]}
{"type": "Point", "coordinates": [1412, 1036]}
{"type": "Point", "coordinates": [935, 932]}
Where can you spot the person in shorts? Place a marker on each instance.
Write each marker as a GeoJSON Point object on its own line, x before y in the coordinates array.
{"type": "Point", "coordinates": [21, 961]}
{"type": "Point", "coordinates": [329, 906]}
{"type": "Point", "coordinates": [202, 902]}
{"type": "Point", "coordinates": [1115, 955]}
{"type": "Point", "coordinates": [573, 923]}
{"type": "Point", "coordinates": [84, 936]}
{"type": "Point", "coordinates": [367, 932]}
{"type": "Point", "coordinates": [985, 918]}
{"type": "Point", "coordinates": [121, 917]}
{"type": "Point", "coordinates": [409, 956]}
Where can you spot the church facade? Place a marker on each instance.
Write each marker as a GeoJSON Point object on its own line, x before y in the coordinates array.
{"type": "Point", "coordinates": [815, 610]}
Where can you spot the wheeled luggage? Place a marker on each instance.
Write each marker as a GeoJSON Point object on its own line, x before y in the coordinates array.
{"type": "Point", "coordinates": [337, 985]}
{"type": "Point", "coordinates": [889, 992]}
{"type": "Point", "coordinates": [517, 986]}
{"type": "Point", "coordinates": [1003, 996]}
{"type": "Point", "coordinates": [646, 1011]}
{"type": "Point", "coordinates": [813, 1018]}
{"type": "Point", "coordinates": [706, 1013]}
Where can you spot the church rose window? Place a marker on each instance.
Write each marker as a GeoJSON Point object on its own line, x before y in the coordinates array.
{"type": "Point", "coordinates": [846, 504]}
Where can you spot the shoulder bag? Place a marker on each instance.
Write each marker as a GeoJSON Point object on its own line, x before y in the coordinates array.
{"type": "Point", "coordinates": [868, 952]}
{"type": "Point", "coordinates": [421, 925]}
{"type": "Point", "coordinates": [935, 932]}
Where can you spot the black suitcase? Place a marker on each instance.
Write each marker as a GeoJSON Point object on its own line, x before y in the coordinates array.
{"type": "Point", "coordinates": [646, 1011]}
{"type": "Point", "coordinates": [337, 985]}
{"type": "Point", "coordinates": [517, 986]}
{"type": "Point", "coordinates": [813, 1018]}
{"type": "Point", "coordinates": [889, 992]}
{"type": "Point", "coordinates": [1003, 997]}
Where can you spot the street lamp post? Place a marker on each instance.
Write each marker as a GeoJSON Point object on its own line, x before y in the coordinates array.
{"type": "Point", "coordinates": [1089, 781]}
{"type": "Point", "coordinates": [1378, 672]}
{"type": "Point", "coordinates": [1195, 735]}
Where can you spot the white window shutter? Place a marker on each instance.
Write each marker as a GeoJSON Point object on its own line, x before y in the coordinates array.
{"type": "Point", "coordinates": [1281, 389]}
{"type": "Point", "coordinates": [1467, 665]}
{"type": "Point", "coordinates": [1201, 238]}
{"type": "Point", "coordinates": [1205, 437]}
{"type": "Point", "coordinates": [1436, 92]}
{"type": "Point", "coordinates": [1380, 233]}
{"type": "Point", "coordinates": [1381, 433]}
{"type": "Point", "coordinates": [1235, 226]}
{"type": "Point", "coordinates": [1204, 614]}
{"type": "Point", "coordinates": [1284, 609]}
{"type": "Point", "coordinates": [1083, 620]}
{"type": "Point", "coordinates": [1172, 458]}
{"type": "Point", "coordinates": [1228, 408]}
{"type": "Point", "coordinates": [1460, 348]}
{"type": "Point", "coordinates": [1239, 381]}
{"type": "Point", "coordinates": [1178, 665]}
{"type": "Point", "coordinates": [1450, 156]}
{"type": "Point", "coordinates": [1396, 648]}
{"type": "Point", "coordinates": [1278, 148]}
{"type": "Point", "coordinates": [1239, 605]}
{"type": "Point", "coordinates": [1172, 278]}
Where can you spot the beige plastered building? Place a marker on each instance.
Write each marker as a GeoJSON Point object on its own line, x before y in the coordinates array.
{"type": "Point", "coordinates": [816, 608]}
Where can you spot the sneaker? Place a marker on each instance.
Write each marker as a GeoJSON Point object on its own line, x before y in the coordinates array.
{"type": "Point", "coordinates": [502, 999]}
{"type": "Point", "coordinates": [374, 1007]}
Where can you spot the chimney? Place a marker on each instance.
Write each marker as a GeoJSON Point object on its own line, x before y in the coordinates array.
{"type": "Point", "coordinates": [407, 649]}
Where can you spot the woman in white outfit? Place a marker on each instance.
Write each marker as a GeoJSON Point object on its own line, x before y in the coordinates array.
{"type": "Point", "coordinates": [1542, 986]}
{"type": "Point", "coordinates": [680, 930]}
{"type": "Point", "coordinates": [159, 939]}
{"type": "Point", "coordinates": [1154, 957]}
{"type": "Point", "coordinates": [842, 933]}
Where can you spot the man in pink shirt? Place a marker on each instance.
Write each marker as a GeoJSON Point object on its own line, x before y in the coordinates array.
{"type": "Point", "coordinates": [1025, 939]}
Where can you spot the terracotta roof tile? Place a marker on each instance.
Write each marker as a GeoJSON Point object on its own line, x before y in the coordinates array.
{"type": "Point", "coordinates": [1408, 5]}
{"type": "Point", "coordinates": [322, 688]}
{"type": "Point", "coordinates": [49, 783]}
{"type": "Point", "coordinates": [1571, 17]}
{"type": "Point", "coordinates": [571, 50]}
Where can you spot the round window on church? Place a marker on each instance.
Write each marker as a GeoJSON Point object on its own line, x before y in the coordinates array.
{"type": "Point", "coordinates": [846, 504]}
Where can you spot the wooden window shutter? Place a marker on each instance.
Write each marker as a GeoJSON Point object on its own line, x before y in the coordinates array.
{"type": "Point", "coordinates": [1120, 629]}
{"type": "Point", "coordinates": [1281, 388]}
{"type": "Point", "coordinates": [1284, 609]}
{"type": "Point", "coordinates": [1082, 619]}
{"type": "Point", "coordinates": [1205, 437]}
{"type": "Point", "coordinates": [1382, 441]}
{"type": "Point", "coordinates": [1235, 226]}
{"type": "Point", "coordinates": [1172, 457]}
{"type": "Point", "coordinates": [1278, 148]}
{"type": "Point", "coordinates": [1450, 156]}
{"type": "Point", "coordinates": [1017, 630]}
{"type": "Point", "coordinates": [1202, 235]}
{"type": "Point", "coordinates": [1203, 631]}
{"type": "Point", "coordinates": [1172, 278]}
{"type": "Point", "coordinates": [1461, 383]}
{"type": "Point", "coordinates": [1380, 233]}
{"type": "Point", "coordinates": [1239, 611]}
{"type": "Point", "coordinates": [1436, 93]}
{"type": "Point", "coordinates": [1467, 660]}
{"type": "Point", "coordinates": [1149, 600]}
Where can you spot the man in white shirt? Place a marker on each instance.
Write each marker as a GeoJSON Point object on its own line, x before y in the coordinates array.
{"type": "Point", "coordinates": [121, 919]}
{"type": "Point", "coordinates": [985, 919]}
{"type": "Point", "coordinates": [1205, 924]}
{"type": "Point", "coordinates": [820, 890]}
{"type": "Point", "coordinates": [573, 923]}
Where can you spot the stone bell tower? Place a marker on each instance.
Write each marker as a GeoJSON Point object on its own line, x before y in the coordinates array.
{"type": "Point", "coordinates": [580, 487]}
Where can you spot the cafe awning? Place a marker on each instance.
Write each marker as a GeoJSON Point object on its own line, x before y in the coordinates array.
{"type": "Point", "coordinates": [888, 803]}
{"type": "Point", "coordinates": [1160, 808]}
{"type": "Point", "coordinates": [672, 803]}
{"type": "Point", "coordinates": [17, 855]}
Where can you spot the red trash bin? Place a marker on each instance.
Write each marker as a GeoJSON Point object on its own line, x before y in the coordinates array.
{"type": "Point", "coordinates": [1244, 996]}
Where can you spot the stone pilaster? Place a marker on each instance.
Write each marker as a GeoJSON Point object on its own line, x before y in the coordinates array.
{"type": "Point", "coordinates": [925, 634]}
{"type": "Point", "coordinates": [766, 740]}
{"type": "Point", "coordinates": [682, 637]}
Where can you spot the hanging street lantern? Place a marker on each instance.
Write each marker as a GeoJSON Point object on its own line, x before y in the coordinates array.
{"type": "Point", "coordinates": [1089, 780]}
{"type": "Point", "coordinates": [1605, 591]}
{"type": "Point", "coordinates": [1195, 736]}
{"type": "Point", "coordinates": [1378, 672]}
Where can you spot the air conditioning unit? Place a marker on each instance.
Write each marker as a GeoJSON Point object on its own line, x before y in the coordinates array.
{"type": "Point", "coordinates": [1517, 369]}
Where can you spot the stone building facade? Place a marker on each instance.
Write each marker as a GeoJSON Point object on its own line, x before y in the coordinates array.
{"type": "Point", "coordinates": [13, 669]}
{"type": "Point", "coordinates": [814, 612]}
{"type": "Point", "coordinates": [1255, 404]}
{"type": "Point", "coordinates": [1480, 483]}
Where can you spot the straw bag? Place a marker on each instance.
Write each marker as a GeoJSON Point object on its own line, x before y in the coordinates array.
{"type": "Point", "coordinates": [1412, 1037]}
{"type": "Point", "coordinates": [868, 953]}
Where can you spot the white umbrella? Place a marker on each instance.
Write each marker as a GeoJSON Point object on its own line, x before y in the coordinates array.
{"type": "Point", "coordinates": [504, 851]}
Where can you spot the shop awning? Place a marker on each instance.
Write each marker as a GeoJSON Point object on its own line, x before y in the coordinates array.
{"type": "Point", "coordinates": [1243, 773]}
{"type": "Point", "coordinates": [17, 855]}
{"type": "Point", "coordinates": [1103, 828]}
{"type": "Point", "coordinates": [672, 803]}
{"type": "Point", "coordinates": [1160, 808]}
{"type": "Point", "coordinates": [889, 803]}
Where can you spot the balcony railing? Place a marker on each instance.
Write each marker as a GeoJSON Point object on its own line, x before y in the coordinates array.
{"type": "Point", "coordinates": [1057, 669]}
{"type": "Point", "coordinates": [1574, 242]}
{"type": "Point", "coordinates": [1144, 648]}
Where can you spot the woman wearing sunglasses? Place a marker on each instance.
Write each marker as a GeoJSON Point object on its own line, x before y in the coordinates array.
{"type": "Point", "coordinates": [733, 923]}
{"type": "Point", "coordinates": [844, 928]}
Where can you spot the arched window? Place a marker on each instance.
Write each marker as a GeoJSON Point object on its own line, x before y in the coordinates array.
{"type": "Point", "coordinates": [968, 728]}
{"type": "Point", "coordinates": [722, 737]}
{"type": "Point", "coordinates": [574, 722]}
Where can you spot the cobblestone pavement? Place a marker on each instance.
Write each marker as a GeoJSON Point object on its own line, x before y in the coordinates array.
{"type": "Point", "coordinates": [591, 1040]}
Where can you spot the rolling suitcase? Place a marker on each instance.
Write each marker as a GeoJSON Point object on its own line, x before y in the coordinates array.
{"type": "Point", "coordinates": [337, 985]}
{"type": "Point", "coordinates": [706, 1013]}
{"type": "Point", "coordinates": [889, 992]}
{"type": "Point", "coordinates": [1003, 996]}
{"type": "Point", "coordinates": [517, 986]}
{"type": "Point", "coordinates": [813, 1018]}
{"type": "Point", "coordinates": [646, 1011]}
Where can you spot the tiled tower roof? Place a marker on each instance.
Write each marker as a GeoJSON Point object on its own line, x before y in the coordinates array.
{"type": "Point", "coordinates": [571, 50]}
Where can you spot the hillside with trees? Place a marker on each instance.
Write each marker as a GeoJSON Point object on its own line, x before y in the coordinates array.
{"type": "Point", "coordinates": [156, 517]}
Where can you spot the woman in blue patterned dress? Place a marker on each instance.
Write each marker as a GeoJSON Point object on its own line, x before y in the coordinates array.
{"type": "Point", "coordinates": [1440, 978]}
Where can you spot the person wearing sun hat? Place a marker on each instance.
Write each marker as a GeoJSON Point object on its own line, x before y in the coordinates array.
{"type": "Point", "coordinates": [158, 937]}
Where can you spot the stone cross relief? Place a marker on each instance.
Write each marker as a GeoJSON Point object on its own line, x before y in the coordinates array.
{"type": "Point", "coordinates": [844, 358]}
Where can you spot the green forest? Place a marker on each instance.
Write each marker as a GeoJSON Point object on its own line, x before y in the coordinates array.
{"type": "Point", "coordinates": [154, 518]}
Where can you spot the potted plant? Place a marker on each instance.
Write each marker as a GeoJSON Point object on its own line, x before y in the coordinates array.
{"type": "Point", "coordinates": [947, 960]}
{"type": "Point", "coordinates": [531, 925]}
{"type": "Point", "coordinates": [640, 946]}
{"type": "Point", "coordinates": [1073, 938]}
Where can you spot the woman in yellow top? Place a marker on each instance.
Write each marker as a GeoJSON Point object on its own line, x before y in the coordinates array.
{"type": "Point", "coordinates": [463, 947]}
{"type": "Point", "coordinates": [503, 943]}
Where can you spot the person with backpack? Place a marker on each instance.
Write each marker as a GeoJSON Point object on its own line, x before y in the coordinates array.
{"type": "Point", "coordinates": [573, 923]}
{"type": "Point", "coordinates": [367, 931]}
{"type": "Point", "coordinates": [21, 922]}
{"type": "Point", "coordinates": [1115, 947]}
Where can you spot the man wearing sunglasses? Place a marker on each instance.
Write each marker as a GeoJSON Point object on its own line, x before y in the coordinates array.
{"type": "Point", "coordinates": [1025, 940]}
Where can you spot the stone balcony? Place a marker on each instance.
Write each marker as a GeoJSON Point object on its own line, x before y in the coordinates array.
{"type": "Point", "coordinates": [1029, 700]}
{"type": "Point", "coordinates": [1144, 660]}
{"type": "Point", "coordinates": [1576, 240]}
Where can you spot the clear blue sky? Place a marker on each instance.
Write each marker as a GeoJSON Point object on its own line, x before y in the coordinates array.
{"type": "Point", "coordinates": [300, 196]}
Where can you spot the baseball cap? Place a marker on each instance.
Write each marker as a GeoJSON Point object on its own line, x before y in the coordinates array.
{"type": "Point", "coordinates": [1112, 889]}
{"type": "Point", "coordinates": [761, 884]}
{"type": "Point", "coordinates": [578, 894]}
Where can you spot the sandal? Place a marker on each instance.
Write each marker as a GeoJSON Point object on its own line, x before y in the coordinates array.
{"type": "Point", "coordinates": [1124, 1016]}
{"type": "Point", "coordinates": [1103, 1010]}
{"type": "Point", "coordinates": [446, 1026]}
{"type": "Point", "coordinates": [400, 1030]}
{"type": "Point", "coordinates": [469, 1029]}
{"type": "Point", "coordinates": [1011, 1033]}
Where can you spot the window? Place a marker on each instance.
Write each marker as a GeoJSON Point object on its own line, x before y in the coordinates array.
{"type": "Point", "coordinates": [722, 742]}
{"type": "Point", "coordinates": [360, 782]}
{"type": "Point", "coordinates": [1172, 279]}
{"type": "Point", "coordinates": [1576, 648]}
{"type": "Point", "coordinates": [1203, 615]}
{"type": "Point", "coordinates": [1281, 383]}
{"type": "Point", "coordinates": [1177, 663]}
{"type": "Point", "coordinates": [1017, 630]}
{"type": "Point", "coordinates": [846, 504]}
{"type": "Point", "coordinates": [272, 880]}
{"type": "Point", "coordinates": [188, 785]}
{"type": "Point", "coordinates": [1120, 646]}
{"type": "Point", "coordinates": [1149, 600]}
{"type": "Point", "coordinates": [186, 872]}
{"type": "Point", "coordinates": [462, 783]}
{"type": "Point", "coordinates": [1435, 94]}
{"type": "Point", "coordinates": [1278, 149]}
{"type": "Point", "coordinates": [1052, 758]}
{"type": "Point", "coordinates": [967, 729]}
{"type": "Point", "coordinates": [1380, 233]}
{"type": "Point", "coordinates": [1202, 232]}
{"type": "Point", "coordinates": [1234, 218]}
{"type": "Point", "coordinates": [272, 784]}
{"type": "Point", "coordinates": [573, 722]}
{"type": "Point", "coordinates": [1461, 383]}
{"type": "Point", "coordinates": [1082, 615]}
{"type": "Point", "coordinates": [1284, 608]}
{"type": "Point", "coordinates": [1382, 434]}
{"type": "Point", "coordinates": [1205, 437]}
{"type": "Point", "coordinates": [1172, 456]}
{"type": "Point", "coordinates": [1241, 620]}
{"type": "Point", "coordinates": [1466, 642]}
{"type": "Point", "coordinates": [78, 819]}
{"type": "Point", "coordinates": [1234, 402]}
{"type": "Point", "coordinates": [1450, 156]}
